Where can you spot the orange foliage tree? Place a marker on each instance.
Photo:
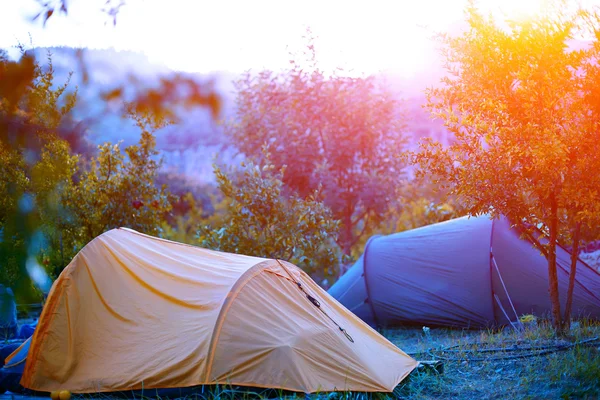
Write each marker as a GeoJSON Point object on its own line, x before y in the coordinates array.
{"type": "Point", "coordinates": [519, 98]}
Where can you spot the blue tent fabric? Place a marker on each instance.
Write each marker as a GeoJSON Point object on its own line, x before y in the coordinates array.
{"type": "Point", "coordinates": [8, 314]}
{"type": "Point", "coordinates": [17, 363]}
{"type": "Point", "coordinates": [11, 372]}
{"type": "Point", "coordinates": [10, 375]}
{"type": "Point", "coordinates": [470, 272]}
{"type": "Point", "coordinates": [26, 330]}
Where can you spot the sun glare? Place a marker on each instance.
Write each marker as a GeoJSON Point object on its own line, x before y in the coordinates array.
{"type": "Point", "coordinates": [384, 36]}
{"type": "Point", "coordinates": [515, 9]}
{"type": "Point", "coordinates": [213, 36]}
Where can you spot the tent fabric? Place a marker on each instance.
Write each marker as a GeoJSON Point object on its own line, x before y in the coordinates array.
{"type": "Point", "coordinates": [15, 362]}
{"type": "Point", "coordinates": [26, 330]}
{"type": "Point", "coordinates": [469, 272]}
{"type": "Point", "coordinates": [8, 313]}
{"type": "Point", "coordinates": [11, 372]}
{"type": "Point", "coordinates": [133, 311]}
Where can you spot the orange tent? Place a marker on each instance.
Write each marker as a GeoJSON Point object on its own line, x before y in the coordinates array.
{"type": "Point", "coordinates": [133, 311]}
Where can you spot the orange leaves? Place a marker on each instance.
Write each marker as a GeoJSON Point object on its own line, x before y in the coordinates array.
{"type": "Point", "coordinates": [16, 79]}
{"type": "Point", "coordinates": [165, 99]}
{"type": "Point", "coordinates": [524, 112]}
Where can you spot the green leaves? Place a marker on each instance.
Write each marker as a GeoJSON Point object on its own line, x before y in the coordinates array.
{"type": "Point", "coordinates": [118, 190]}
{"type": "Point", "coordinates": [36, 166]}
{"type": "Point", "coordinates": [261, 219]}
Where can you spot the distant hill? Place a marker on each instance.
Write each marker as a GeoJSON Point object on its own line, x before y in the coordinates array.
{"type": "Point", "coordinates": [188, 147]}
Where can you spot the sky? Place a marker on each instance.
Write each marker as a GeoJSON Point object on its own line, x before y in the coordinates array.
{"type": "Point", "coordinates": [227, 35]}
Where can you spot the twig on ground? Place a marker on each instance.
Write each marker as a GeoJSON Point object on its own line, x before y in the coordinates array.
{"type": "Point", "coordinates": [530, 351]}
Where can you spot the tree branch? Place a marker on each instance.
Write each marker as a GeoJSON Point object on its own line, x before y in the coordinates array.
{"type": "Point", "coordinates": [537, 244]}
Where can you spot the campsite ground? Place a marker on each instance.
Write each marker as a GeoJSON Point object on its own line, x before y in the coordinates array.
{"type": "Point", "coordinates": [531, 364]}
{"type": "Point", "coordinates": [504, 365]}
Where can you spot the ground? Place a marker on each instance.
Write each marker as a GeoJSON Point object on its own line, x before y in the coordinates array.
{"type": "Point", "coordinates": [539, 366]}
{"type": "Point", "coordinates": [509, 364]}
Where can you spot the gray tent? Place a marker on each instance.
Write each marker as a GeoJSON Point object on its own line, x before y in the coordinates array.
{"type": "Point", "coordinates": [471, 272]}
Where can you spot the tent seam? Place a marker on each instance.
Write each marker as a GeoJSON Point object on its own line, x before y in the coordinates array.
{"type": "Point", "coordinates": [41, 331]}
{"type": "Point", "coordinates": [491, 254]}
{"type": "Point", "coordinates": [14, 353]}
{"type": "Point", "coordinates": [185, 244]}
{"type": "Point", "coordinates": [241, 282]}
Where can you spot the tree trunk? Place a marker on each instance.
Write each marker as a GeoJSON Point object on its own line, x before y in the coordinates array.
{"type": "Point", "coordinates": [572, 272]}
{"type": "Point", "coordinates": [552, 275]}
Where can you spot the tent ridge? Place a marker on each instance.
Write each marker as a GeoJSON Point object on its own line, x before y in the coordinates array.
{"type": "Point", "coordinates": [246, 277]}
{"type": "Point", "coordinates": [129, 230]}
{"type": "Point", "coordinates": [372, 238]}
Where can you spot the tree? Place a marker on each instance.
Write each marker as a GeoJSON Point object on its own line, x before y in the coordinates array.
{"type": "Point", "coordinates": [183, 227]}
{"type": "Point", "coordinates": [582, 215]}
{"type": "Point", "coordinates": [416, 203]}
{"type": "Point", "coordinates": [119, 189]}
{"type": "Point", "coordinates": [524, 137]}
{"type": "Point", "coordinates": [336, 132]}
{"type": "Point", "coordinates": [36, 126]}
{"type": "Point", "coordinates": [261, 220]}
{"type": "Point", "coordinates": [35, 165]}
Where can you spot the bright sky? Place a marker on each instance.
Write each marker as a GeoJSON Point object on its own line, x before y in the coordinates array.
{"type": "Point", "coordinates": [203, 36]}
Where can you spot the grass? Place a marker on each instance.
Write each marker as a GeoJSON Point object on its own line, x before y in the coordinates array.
{"type": "Point", "coordinates": [484, 364]}
{"type": "Point", "coordinates": [477, 364]}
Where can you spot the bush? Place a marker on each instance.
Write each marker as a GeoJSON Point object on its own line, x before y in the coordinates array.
{"type": "Point", "coordinates": [261, 220]}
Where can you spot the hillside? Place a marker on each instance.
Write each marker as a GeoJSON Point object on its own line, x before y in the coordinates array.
{"type": "Point", "coordinates": [189, 146]}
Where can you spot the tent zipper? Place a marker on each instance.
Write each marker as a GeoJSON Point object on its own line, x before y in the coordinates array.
{"type": "Point", "coordinates": [315, 302]}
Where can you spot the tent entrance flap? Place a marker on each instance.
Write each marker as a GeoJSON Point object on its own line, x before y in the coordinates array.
{"type": "Point", "coordinates": [315, 302]}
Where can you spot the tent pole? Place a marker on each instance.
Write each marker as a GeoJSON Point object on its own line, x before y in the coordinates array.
{"type": "Point", "coordinates": [375, 319]}
{"type": "Point", "coordinates": [505, 290]}
{"type": "Point", "coordinates": [503, 310]}
{"type": "Point", "coordinates": [494, 295]}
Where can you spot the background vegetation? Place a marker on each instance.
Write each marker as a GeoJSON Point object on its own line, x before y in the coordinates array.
{"type": "Point", "coordinates": [326, 156]}
{"type": "Point", "coordinates": [287, 200]}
